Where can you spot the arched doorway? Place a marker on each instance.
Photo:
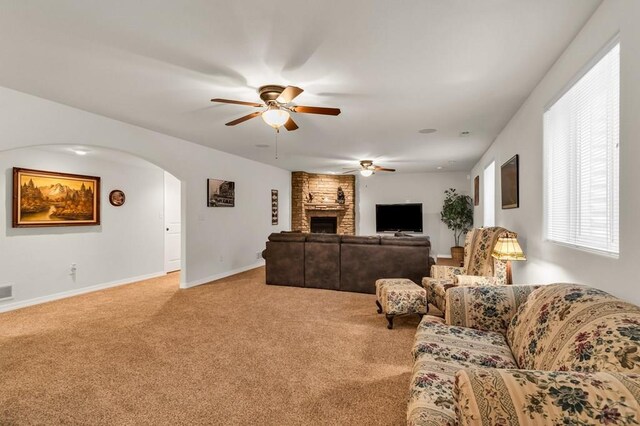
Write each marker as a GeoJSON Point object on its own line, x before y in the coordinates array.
{"type": "Point", "coordinates": [129, 244]}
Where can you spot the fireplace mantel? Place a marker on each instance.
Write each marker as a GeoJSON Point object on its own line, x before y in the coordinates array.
{"type": "Point", "coordinates": [323, 206]}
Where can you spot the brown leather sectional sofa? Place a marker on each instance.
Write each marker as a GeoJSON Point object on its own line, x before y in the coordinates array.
{"type": "Point", "coordinates": [344, 262]}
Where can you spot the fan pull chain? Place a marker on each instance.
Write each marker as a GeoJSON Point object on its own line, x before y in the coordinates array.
{"type": "Point", "coordinates": [277, 131]}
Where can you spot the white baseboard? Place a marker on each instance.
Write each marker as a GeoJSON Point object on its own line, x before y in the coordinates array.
{"type": "Point", "coordinates": [76, 292]}
{"type": "Point", "coordinates": [221, 275]}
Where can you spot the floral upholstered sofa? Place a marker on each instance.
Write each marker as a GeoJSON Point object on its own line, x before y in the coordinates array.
{"type": "Point", "coordinates": [560, 354]}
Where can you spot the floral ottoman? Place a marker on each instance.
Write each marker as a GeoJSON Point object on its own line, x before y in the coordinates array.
{"type": "Point", "coordinates": [399, 296]}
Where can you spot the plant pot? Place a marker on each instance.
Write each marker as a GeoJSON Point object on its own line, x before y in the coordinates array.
{"type": "Point", "coordinates": [457, 253]}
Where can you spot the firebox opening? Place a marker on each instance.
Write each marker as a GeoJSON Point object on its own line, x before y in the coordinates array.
{"type": "Point", "coordinates": [324, 225]}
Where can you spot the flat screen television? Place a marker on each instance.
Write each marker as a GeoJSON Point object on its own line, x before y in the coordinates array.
{"type": "Point", "coordinates": [399, 217]}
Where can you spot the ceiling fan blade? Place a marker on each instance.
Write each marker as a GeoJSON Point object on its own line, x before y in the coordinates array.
{"type": "Point", "coordinates": [243, 119]}
{"type": "Point", "coordinates": [351, 171]}
{"type": "Point", "coordinates": [383, 169]}
{"type": "Point", "coordinates": [315, 110]}
{"type": "Point", "coordinates": [230, 101]}
{"type": "Point", "coordinates": [290, 125]}
{"type": "Point", "coordinates": [289, 94]}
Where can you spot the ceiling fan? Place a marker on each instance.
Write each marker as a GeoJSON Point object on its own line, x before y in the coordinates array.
{"type": "Point", "coordinates": [367, 168]}
{"type": "Point", "coordinates": [276, 101]}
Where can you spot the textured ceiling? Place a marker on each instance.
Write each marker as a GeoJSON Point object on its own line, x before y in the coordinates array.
{"type": "Point", "coordinates": [392, 67]}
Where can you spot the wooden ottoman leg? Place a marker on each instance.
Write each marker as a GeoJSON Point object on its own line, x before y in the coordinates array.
{"type": "Point", "coordinates": [390, 320]}
{"type": "Point", "coordinates": [379, 307]}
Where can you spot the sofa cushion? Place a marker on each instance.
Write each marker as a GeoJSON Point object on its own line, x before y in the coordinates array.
{"type": "Point", "coordinates": [356, 239]}
{"type": "Point", "coordinates": [323, 238]}
{"type": "Point", "coordinates": [285, 263]}
{"type": "Point", "coordinates": [321, 264]}
{"type": "Point", "coordinates": [485, 307]}
{"type": "Point", "coordinates": [362, 264]}
{"type": "Point", "coordinates": [524, 397]}
{"type": "Point", "coordinates": [576, 328]}
{"type": "Point", "coordinates": [467, 346]}
{"type": "Point", "coordinates": [439, 352]}
{"type": "Point", "coordinates": [295, 237]}
{"type": "Point", "coordinates": [405, 241]}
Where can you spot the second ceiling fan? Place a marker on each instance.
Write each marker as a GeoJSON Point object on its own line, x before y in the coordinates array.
{"type": "Point", "coordinates": [367, 168]}
{"type": "Point", "coordinates": [276, 101]}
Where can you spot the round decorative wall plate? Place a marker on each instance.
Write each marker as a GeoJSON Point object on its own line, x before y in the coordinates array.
{"type": "Point", "coordinates": [116, 197]}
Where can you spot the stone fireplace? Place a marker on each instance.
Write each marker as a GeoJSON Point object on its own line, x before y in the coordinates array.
{"type": "Point", "coordinates": [323, 205]}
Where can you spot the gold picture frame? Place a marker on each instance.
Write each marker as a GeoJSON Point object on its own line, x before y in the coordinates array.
{"type": "Point", "coordinates": [44, 198]}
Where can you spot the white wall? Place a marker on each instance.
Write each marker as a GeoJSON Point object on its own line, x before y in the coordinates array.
{"type": "Point", "coordinates": [425, 188]}
{"type": "Point", "coordinates": [129, 242]}
{"type": "Point", "coordinates": [216, 241]}
{"type": "Point", "coordinates": [548, 262]}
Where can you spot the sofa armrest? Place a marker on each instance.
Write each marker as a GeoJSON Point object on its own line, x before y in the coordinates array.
{"type": "Point", "coordinates": [443, 272]}
{"type": "Point", "coordinates": [523, 397]}
{"type": "Point", "coordinates": [487, 308]}
{"type": "Point", "coordinates": [470, 280]}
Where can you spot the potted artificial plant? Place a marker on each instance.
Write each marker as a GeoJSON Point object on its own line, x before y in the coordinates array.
{"type": "Point", "coordinates": [457, 214]}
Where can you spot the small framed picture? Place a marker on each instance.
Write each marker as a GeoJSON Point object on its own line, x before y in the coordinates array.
{"type": "Point", "coordinates": [117, 197]}
{"type": "Point", "coordinates": [274, 206]}
{"type": "Point", "coordinates": [509, 179]}
{"type": "Point", "coordinates": [221, 193]}
{"type": "Point", "coordinates": [476, 191]}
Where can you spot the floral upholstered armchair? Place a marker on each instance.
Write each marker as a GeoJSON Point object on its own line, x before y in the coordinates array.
{"type": "Point", "coordinates": [480, 268]}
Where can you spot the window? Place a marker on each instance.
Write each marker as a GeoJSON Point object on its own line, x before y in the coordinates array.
{"type": "Point", "coordinates": [489, 192]}
{"type": "Point", "coordinates": [581, 159]}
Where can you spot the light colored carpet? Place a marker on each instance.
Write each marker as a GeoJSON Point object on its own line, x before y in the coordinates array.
{"type": "Point", "coordinates": [235, 351]}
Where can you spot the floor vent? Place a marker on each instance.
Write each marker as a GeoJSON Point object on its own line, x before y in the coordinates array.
{"type": "Point", "coordinates": [6, 291]}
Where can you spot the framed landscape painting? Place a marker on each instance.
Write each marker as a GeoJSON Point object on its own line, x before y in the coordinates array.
{"type": "Point", "coordinates": [509, 176]}
{"type": "Point", "coordinates": [42, 198]}
{"type": "Point", "coordinates": [221, 193]}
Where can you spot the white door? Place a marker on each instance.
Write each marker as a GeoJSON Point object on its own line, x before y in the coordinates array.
{"type": "Point", "coordinates": [171, 223]}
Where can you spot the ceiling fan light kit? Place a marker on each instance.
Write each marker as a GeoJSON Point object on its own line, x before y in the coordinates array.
{"type": "Point", "coordinates": [275, 117]}
{"type": "Point", "coordinates": [276, 101]}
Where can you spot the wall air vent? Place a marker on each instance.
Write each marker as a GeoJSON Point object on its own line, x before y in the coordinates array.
{"type": "Point", "coordinates": [6, 291]}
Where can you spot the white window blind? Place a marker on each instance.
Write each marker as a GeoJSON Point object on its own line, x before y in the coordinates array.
{"type": "Point", "coordinates": [581, 160]}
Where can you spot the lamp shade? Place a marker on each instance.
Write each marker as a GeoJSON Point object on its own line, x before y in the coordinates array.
{"type": "Point", "coordinates": [275, 117]}
{"type": "Point", "coordinates": [508, 248]}
{"type": "Point", "coordinates": [366, 172]}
